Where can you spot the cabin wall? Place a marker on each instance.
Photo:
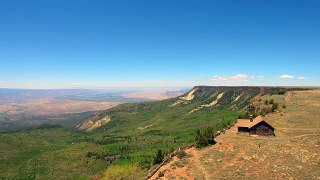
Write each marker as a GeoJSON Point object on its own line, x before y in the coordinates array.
{"type": "Point", "coordinates": [243, 129]}
{"type": "Point", "coordinates": [262, 130]}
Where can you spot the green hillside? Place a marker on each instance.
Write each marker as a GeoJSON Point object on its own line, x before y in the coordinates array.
{"type": "Point", "coordinates": [129, 133]}
{"type": "Point", "coordinates": [47, 153]}
{"type": "Point", "coordinates": [137, 131]}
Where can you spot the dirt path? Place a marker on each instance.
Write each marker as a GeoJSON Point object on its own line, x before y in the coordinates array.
{"type": "Point", "coordinates": [197, 156]}
{"type": "Point", "coordinates": [284, 138]}
{"type": "Point", "coordinates": [288, 97]}
{"type": "Point", "coordinates": [298, 129]}
{"type": "Point", "coordinates": [182, 172]}
{"type": "Point", "coordinates": [164, 168]}
{"type": "Point", "coordinates": [195, 160]}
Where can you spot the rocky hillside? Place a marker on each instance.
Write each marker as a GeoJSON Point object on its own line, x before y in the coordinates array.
{"type": "Point", "coordinates": [292, 154]}
{"type": "Point", "coordinates": [93, 122]}
{"type": "Point", "coordinates": [198, 100]}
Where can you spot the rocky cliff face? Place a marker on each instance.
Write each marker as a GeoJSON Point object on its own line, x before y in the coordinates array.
{"type": "Point", "coordinates": [93, 123]}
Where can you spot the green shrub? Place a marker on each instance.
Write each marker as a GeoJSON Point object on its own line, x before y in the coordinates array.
{"type": "Point", "coordinates": [161, 174]}
{"type": "Point", "coordinates": [182, 163]}
{"type": "Point", "coordinates": [278, 92]}
{"type": "Point", "coordinates": [271, 101]}
{"type": "Point", "coordinates": [261, 113]}
{"type": "Point", "coordinates": [275, 106]}
{"type": "Point", "coordinates": [181, 154]}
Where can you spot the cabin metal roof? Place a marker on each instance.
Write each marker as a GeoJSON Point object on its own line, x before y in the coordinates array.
{"type": "Point", "coordinates": [249, 124]}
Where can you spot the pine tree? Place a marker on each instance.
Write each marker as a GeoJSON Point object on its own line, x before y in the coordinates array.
{"type": "Point", "coordinates": [159, 157]}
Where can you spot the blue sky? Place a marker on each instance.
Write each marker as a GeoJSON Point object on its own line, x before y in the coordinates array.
{"type": "Point", "coordinates": [158, 43]}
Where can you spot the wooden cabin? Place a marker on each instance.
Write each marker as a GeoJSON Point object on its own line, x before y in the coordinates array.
{"type": "Point", "coordinates": [256, 126]}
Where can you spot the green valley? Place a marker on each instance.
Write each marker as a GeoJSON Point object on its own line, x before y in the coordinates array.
{"type": "Point", "coordinates": [132, 134]}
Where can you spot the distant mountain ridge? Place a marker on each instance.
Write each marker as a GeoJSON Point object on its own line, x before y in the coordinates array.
{"type": "Point", "coordinates": [198, 99]}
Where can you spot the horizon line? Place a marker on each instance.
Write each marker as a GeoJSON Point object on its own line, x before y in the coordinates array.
{"type": "Point", "coordinates": [155, 87]}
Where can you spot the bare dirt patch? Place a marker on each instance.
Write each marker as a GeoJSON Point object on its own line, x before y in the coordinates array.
{"type": "Point", "coordinates": [52, 106]}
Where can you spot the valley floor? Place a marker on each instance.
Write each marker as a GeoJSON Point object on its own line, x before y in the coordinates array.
{"type": "Point", "coordinates": [293, 154]}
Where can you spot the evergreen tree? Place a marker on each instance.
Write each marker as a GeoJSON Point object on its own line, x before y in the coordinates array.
{"type": "Point", "coordinates": [205, 138]}
{"type": "Point", "coordinates": [159, 157]}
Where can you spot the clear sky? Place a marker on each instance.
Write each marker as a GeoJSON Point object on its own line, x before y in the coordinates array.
{"type": "Point", "coordinates": [158, 43]}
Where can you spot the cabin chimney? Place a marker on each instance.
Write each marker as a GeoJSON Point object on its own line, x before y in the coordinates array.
{"type": "Point", "coordinates": [251, 118]}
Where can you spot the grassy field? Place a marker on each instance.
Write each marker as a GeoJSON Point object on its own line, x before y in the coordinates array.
{"type": "Point", "coordinates": [293, 154]}
{"type": "Point", "coordinates": [302, 112]}
{"type": "Point", "coordinates": [47, 153]}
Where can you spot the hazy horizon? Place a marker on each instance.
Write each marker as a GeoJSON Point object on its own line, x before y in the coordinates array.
{"type": "Point", "coordinates": [139, 89]}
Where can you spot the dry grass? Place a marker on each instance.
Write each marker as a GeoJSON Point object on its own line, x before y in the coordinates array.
{"type": "Point", "coordinates": [116, 172]}
{"type": "Point", "coordinates": [293, 154]}
{"type": "Point", "coordinates": [303, 111]}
